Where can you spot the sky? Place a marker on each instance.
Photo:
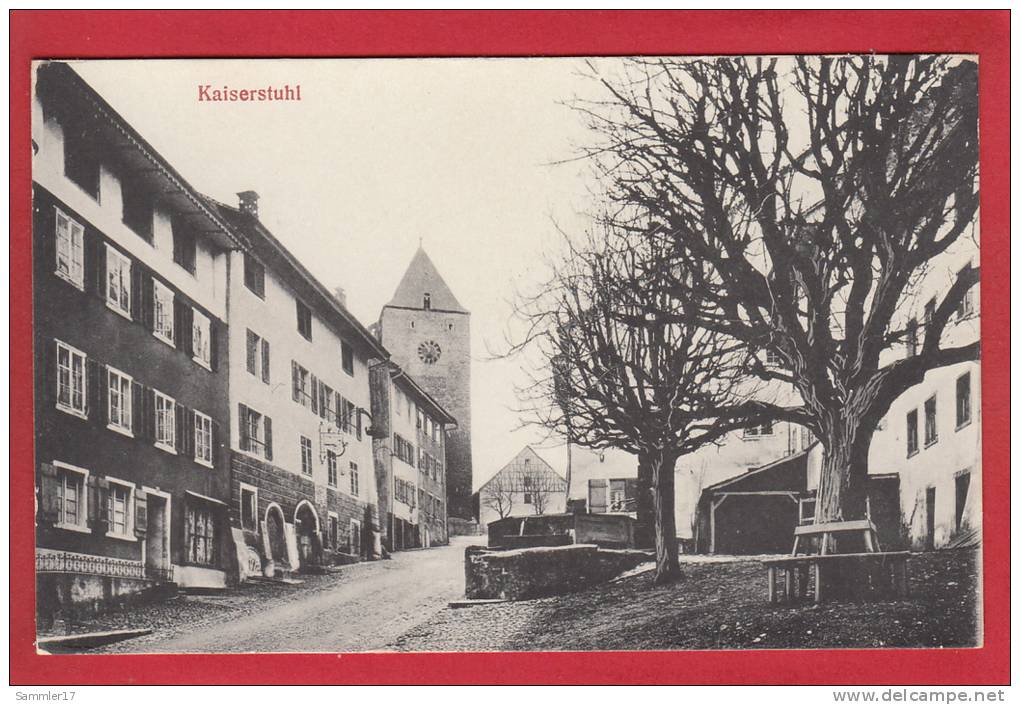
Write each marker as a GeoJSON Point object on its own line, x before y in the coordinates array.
{"type": "Point", "coordinates": [471, 157]}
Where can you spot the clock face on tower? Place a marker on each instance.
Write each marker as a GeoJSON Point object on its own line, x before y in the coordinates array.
{"type": "Point", "coordinates": [429, 352]}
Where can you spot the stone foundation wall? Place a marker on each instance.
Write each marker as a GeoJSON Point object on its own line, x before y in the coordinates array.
{"type": "Point", "coordinates": [538, 572]}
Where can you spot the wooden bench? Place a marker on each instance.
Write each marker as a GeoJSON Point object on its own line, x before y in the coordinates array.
{"type": "Point", "coordinates": [886, 570]}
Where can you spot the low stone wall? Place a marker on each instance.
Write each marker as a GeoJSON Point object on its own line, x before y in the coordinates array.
{"type": "Point", "coordinates": [528, 573]}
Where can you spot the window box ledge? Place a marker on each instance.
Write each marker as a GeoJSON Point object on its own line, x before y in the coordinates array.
{"type": "Point", "coordinates": [121, 430]}
{"type": "Point", "coordinates": [204, 463]}
{"type": "Point", "coordinates": [202, 363]}
{"type": "Point", "coordinates": [163, 338]}
{"type": "Point", "coordinates": [964, 425]}
{"type": "Point", "coordinates": [930, 443]}
{"type": "Point", "coordinates": [118, 310]}
{"type": "Point", "coordinates": [122, 537]}
{"type": "Point", "coordinates": [72, 411]}
{"type": "Point", "coordinates": [80, 286]}
{"type": "Point", "coordinates": [72, 527]}
{"type": "Point", "coordinates": [168, 448]}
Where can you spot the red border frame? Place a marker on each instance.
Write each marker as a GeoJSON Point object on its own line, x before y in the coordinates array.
{"type": "Point", "coordinates": [414, 33]}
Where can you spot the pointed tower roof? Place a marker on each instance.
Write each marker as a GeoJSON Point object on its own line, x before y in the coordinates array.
{"type": "Point", "coordinates": [422, 278]}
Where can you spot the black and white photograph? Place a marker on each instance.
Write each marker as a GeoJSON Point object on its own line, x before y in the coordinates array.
{"type": "Point", "coordinates": [643, 353]}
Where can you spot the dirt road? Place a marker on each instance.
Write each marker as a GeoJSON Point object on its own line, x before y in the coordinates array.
{"type": "Point", "coordinates": [375, 604]}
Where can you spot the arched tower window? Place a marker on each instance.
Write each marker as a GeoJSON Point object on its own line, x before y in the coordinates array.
{"type": "Point", "coordinates": [427, 302]}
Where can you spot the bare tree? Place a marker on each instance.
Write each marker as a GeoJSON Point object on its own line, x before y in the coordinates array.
{"type": "Point", "coordinates": [807, 196]}
{"type": "Point", "coordinates": [624, 371]}
{"type": "Point", "coordinates": [498, 495]}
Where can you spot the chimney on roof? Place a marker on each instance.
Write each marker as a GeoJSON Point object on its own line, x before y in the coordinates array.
{"type": "Point", "coordinates": [341, 295]}
{"type": "Point", "coordinates": [248, 202]}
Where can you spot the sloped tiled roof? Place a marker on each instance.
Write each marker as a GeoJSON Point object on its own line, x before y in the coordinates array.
{"type": "Point", "coordinates": [420, 278]}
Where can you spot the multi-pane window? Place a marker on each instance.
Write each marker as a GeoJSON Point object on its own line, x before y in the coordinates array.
{"type": "Point", "coordinates": [249, 508]}
{"type": "Point", "coordinates": [355, 488]}
{"type": "Point", "coordinates": [331, 468]}
{"type": "Point", "coordinates": [166, 418]}
{"type": "Point", "coordinates": [963, 400]}
{"type": "Point", "coordinates": [118, 399]}
{"type": "Point", "coordinates": [81, 156]}
{"type": "Point", "coordinates": [184, 243]}
{"type": "Point", "coordinates": [929, 316]}
{"type": "Point", "coordinates": [201, 344]}
{"type": "Point", "coordinates": [931, 429]}
{"type": "Point", "coordinates": [254, 276]}
{"type": "Point", "coordinates": [301, 384]}
{"type": "Point", "coordinates": [334, 530]}
{"type": "Point", "coordinates": [403, 449]}
{"type": "Point", "coordinates": [163, 312]}
{"type": "Point", "coordinates": [118, 281]}
{"type": "Point", "coordinates": [762, 429]}
{"type": "Point", "coordinates": [912, 338]}
{"type": "Point", "coordinates": [118, 500]}
{"type": "Point", "coordinates": [772, 358]}
{"type": "Point", "coordinates": [201, 536]}
{"type": "Point", "coordinates": [966, 307]}
{"type": "Point", "coordinates": [257, 356]}
{"type": "Point", "coordinates": [327, 402]}
{"type": "Point", "coordinates": [70, 237]}
{"type": "Point", "coordinates": [306, 455]}
{"type": "Point", "coordinates": [256, 432]}
{"type": "Point", "coordinates": [203, 439]}
{"type": "Point", "coordinates": [347, 357]}
{"type": "Point", "coordinates": [70, 379]}
{"type": "Point", "coordinates": [251, 359]}
{"type": "Point", "coordinates": [304, 320]}
{"type": "Point", "coordinates": [426, 301]}
{"type": "Point", "coordinates": [71, 498]}
{"type": "Point", "coordinates": [355, 538]}
{"type": "Point", "coordinates": [911, 432]}
{"type": "Point", "coordinates": [138, 207]}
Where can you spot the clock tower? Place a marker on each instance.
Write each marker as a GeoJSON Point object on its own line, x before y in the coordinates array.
{"type": "Point", "coordinates": [428, 333]}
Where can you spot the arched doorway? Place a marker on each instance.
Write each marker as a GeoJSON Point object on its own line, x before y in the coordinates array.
{"type": "Point", "coordinates": [277, 536]}
{"type": "Point", "coordinates": [306, 526]}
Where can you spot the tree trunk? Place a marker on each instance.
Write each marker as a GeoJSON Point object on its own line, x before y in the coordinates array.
{"type": "Point", "coordinates": [842, 496]}
{"type": "Point", "coordinates": [662, 465]}
{"type": "Point", "coordinates": [644, 531]}
{"type": "Point", "coordinates": [843, 483]}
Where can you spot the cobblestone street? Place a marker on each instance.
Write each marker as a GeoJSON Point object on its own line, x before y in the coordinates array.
{"type": "Point", "coordinates": [366, 607]}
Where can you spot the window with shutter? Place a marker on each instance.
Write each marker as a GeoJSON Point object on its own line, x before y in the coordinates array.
{"type": "Point", "coordinates": [269, 438]}
{"type": "Point", "coordinates": [243, 433]}
{"type": "Point", "coordinates": [120, 398]}
{"type": "Point", "coordinates": [265, 361]}
{"type": "Point", "coordinates": [201, 339]}
{"type": "Point", "coordinates": [251, 349]}
{"type": "Point", "coordinates": [166, 422]}
{"type": "Point", "coordinates": [118, 281]}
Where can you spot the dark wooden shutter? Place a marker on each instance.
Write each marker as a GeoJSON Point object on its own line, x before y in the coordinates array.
{"type": "Point", "coordinates": [179, 307]}
{"type": "Point", "coordinates": [269, 437]}
{"type": "Point", "coordinates": [94, 500]}
{"type": "Point", "coordinates": [187, 334]}
{"type": "Point", "coordinates": [141, 513]}
{"type": "Point", "coordinates": [148, 415]}
{"type": "Point", "coordinates": [47, 362]}
{"type": "Point", "coordinates": [49, 499]}
{"type": "Point", "coordinates": [180, 418]}
{"type": "Point", "coordinates": [357, 421]}
{"type": "Point", "coordinates": [214, 344]}
{"type": "Point", "coordinates": [137, 285]}
{"type": "Point", "coordinates": [148, 301]}
{"type": "Point", "coordinates": [136, 408]}
{"type": "Point", "coordinates": [97, 388]}
{"type": "Point", "coordinates": [215, 444]}
{"type": "Point", "coordinates": [95, 264]}
{"type": "Point", "coordinates": [295, 380]}
{"type": "Point", "coordinates": [265, 361]}
{"type": "Point", "coordinates": [597, 496]}
{"type": "Point", "coordinates": [338, 411]}
{"type": "Point", "coordinates": [315, 394]}
{"type": "Point", "coordinates": [250, 347]}
{"type": "Point", "coordinates": [242, 427]}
